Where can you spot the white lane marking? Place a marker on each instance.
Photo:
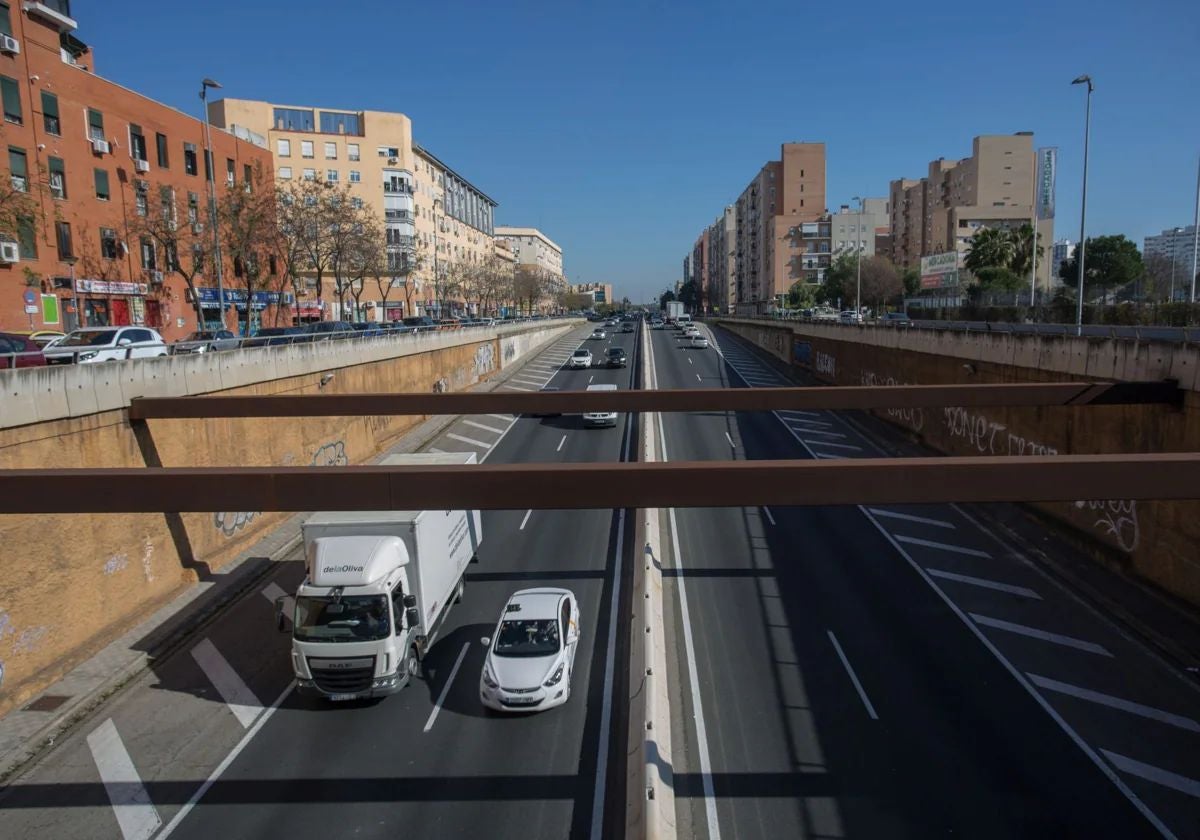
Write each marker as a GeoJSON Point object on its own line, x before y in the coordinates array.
{"type": "Point", "coordinates": [806, 423]}
{"type": "Point", "coordinates": [232, 688]}
{"type": "Point", "coordinates": [484, 426]}
{"type": "Point", "coordinates": [853, 676]}
{"type": "Point", "coordinates": [908, 517]}
{"type": "Point", "coordinates": [732, 445]}
{"type": "Point", "coordinates": [272, 593]}
{"type": "Point", "coordinates": [1012, 589]}
{"type": "Point", "coordinates": [590, 378]}
{"type": "Point", "coordinates": [822, 434]}
{"type": "Point", "coordinates": [1035, 633]}
{"type": "Point", "coordinates": [471, 441]}
{"type": "Point", "coordinates": [767, 511]}
{"type": "Point", "coordinates": [689, 360]}
{"type": "Point", "coordinates": [437, 707]}
{"type": "Point", "coordinates": [518, 388]}
{"type": "Point", "coordinates": [560, 444]}
{"type": "Point", "coordinates": [528, 513]}
{"type": "Point", "coordinates": [955, 549]}
{"type": "Point", "coordinates": [1115, 703]}
{"type": "Point", "coordinates": [799, 411]}
{"type": "Point", "coordinates": [436, 450]}
{"type": "Point", "coordinates": [507, 418]}
{"type": "Point", "coordinates": [827, 455]}
{"type": "Point", "coordinates": [525, 381]}
{"type": "Point", "coordinates": [847, 446]}
{"type": "Point", "coordinates": [698, 378]}
{"type": "Point", "coordinates": [136, 814]}
{"type": "Point", "coordinates": [1154, 774]}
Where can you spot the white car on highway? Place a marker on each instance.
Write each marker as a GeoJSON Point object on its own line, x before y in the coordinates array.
{"type": "Point", "coordinates": [580, 359]}
{"type": "Point", "coordinates": [598, 334]}
{"type": "Point", "coordinates": [697, 341]}
{"type": "Point", "coordinates": [532, 653]}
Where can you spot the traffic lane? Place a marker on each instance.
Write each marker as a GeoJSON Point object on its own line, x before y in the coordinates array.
{"type": "Point", "coordinates": [834, 722]}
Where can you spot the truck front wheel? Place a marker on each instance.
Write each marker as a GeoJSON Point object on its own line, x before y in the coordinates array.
{"type": "Point", "coordinates": [458, 593]}
{"type": "Point", "coordinates": [412, 665]}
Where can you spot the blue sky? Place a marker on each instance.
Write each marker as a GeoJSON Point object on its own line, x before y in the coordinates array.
{"type": "Point", "coordinates": [621, 129]}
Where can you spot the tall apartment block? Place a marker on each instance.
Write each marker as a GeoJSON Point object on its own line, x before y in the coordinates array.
{"type": "Point", "coordinates": [91, 157]}
{"type": "Point", "coordinates": [721, 262]}
{"type": "Point", "coordinates": [1177, 246]}
{"type": "Point", "coordinates": [993, 188]}
{"type": "Point", "coordinates": [533, 247]}
{"type": "Point", "coordinates": [425, 206]}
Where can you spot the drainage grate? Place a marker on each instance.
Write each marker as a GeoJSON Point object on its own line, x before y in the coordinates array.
{"type": "Point", "coordinates": [47, 703]}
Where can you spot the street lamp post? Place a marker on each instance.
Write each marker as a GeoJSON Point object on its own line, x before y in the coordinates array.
{"type": "Point", "coordinates": [1196, 234]}
{"type": "Point", "coordinates": [211, 172]}
{"type": "Point", "coordinates": [70, 261]}
{"type": "Point", "coordinates": [1174, 255]}
{"type": "Point", "coordinates": [858, 249]}
{"type": "Point", "coordinates": [1087, 132]}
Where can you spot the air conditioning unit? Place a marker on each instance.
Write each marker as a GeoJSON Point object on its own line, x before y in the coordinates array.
{"type": "Point", "coordinates": [9, 45]}
{"type": "Point", "coordinates": [393, 161]}
{"type": "Point", "coordinates": [156, 277]}
{"type": "Point", "coordinates": [197, 227]}
{"type": "Point", "coordinates": [100, 147]}
{"type": "Point", "coordinates": [141, 165]}
{"type": "Point", "coordinates": [10, 252]}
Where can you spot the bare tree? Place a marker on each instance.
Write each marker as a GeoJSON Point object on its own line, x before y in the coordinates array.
{"type": "Point", "coordinates": [529, 285]}
{"type": "Point", "coordinates": [17, 206]}
{"type": "Point", "coordinates": [249, 226]}
{"type": "Point", "coordinates": [346, 224]}
{"type": "Point", "coordinates": [1156, 281]}
{"type": "Point", "coordinates": [880, 281]}
{"type": "Point", "coordinates": [166, 222]}
{"type": "Point", "coordinates": [308, 211]}
{"type": "Point", "coordinates": [495, 284]}
{"type": "Point", "coordinates": [365, 253]}
{"type": "Point", "coordinates": [408, 265]}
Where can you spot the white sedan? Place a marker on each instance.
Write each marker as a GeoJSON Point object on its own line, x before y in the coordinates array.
{"type": "Point", "coordinates": [697, 341]}
{"type": "Point", "coordinates": [580, 359]}
{"type": "Point", "coordinates": [599, 335]}
{"type": "Point", "coordinates": [531, 656]}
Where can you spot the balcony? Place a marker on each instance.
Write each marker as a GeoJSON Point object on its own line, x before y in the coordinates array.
{"type": "Point", "coordinates": [57, 13]}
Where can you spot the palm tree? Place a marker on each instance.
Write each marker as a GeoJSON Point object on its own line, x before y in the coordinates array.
{"type": "Point", "coordinates": [1022, 239]}
{"type": "Point", "coordinates": [990, 247]}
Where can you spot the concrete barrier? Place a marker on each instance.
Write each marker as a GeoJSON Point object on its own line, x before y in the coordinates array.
{"type": "Point", "coordinates": [71, 583]}
{"type": "Point", "coordinates": [1159, 541]}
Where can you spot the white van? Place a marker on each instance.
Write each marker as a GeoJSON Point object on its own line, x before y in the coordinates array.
{"type": "Point", "coordinates": [600, 418]}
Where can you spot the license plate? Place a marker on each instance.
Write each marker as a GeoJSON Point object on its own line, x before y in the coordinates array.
{"type": "Point", "coordinates": [522, 701]}
{"type": "Point", "coordinates": [337, 697]}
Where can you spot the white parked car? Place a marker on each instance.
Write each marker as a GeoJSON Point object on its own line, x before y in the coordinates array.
{"type": "Point", "coordinates": [698, 341]}
{"type": "Point", "coordinates": [600, 418]}
{"type": "Point", "coordinates": [106, 344]}
{"type": "Point", "coordinates": [851, 317]}
{"type": "Point", "coordinates": [599, 334]}
{"type": "Point", "coordinates": [580, 359]}
{"type": "Point", "coordinates": [532, 653]}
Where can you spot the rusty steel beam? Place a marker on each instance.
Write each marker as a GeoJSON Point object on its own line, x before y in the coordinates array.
{"type": "Point", "coordinates": [617, 485]}
{"type": "Point", "coordinates": [691, 399]}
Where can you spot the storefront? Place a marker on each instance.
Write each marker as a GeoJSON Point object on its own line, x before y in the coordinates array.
{"type": "Point", "coordinates": [115, 303]}
{"type": "Point", "coordinates": [237, 299]}
{"type": "Point", "coordinates": [308, 311]}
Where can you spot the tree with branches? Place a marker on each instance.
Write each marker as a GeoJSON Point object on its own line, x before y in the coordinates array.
{"type": "Point", "coordinates": [308, 213]}
{"type": "Point", "coordinates": [175, 227]}
{"type": "Point", "coordinates": [249, 225]}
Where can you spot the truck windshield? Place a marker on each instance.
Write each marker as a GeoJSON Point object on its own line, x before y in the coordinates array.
{"type": "Point", "coordinates": [352, 618]}
{"type": "Point", "coordinates": [527, 638]}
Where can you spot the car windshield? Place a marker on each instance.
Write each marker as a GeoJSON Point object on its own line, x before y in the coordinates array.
{"type": "Point", "coordinates": [350, 618]}
{"type": "Point", "coordinates": [616, 351]}
{"type": "Point", "coordinates": [579, 354]}
{"type": "Point", "coordinates": [200, 336]}
{"type": "Point", "coordinates": [274, 331]}
{"type": "Point", "coordinates": [89, 338]}
{"type": "Point", "coordinates": [527, 637]}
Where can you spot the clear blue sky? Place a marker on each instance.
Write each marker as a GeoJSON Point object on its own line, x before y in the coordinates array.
{"type": "Point", "coordinates": [622, 128]}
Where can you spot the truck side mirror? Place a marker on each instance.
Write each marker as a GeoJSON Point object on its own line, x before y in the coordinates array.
{"type": "Point", "coordinates": [412, 616]}
{"type": "Point", "coordinates": [281, 619]}
{"type": "Point", "coordinates": [410, 601]}
{"type": "Point", "coordinates": [486, 641]}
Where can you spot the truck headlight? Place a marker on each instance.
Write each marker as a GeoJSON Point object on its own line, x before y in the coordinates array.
{"type": "Point", "coordinates": [488, 679]}
{"type": "Point", "coordinates": [554, 679]}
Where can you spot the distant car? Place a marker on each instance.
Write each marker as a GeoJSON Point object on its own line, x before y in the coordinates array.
{"type": "Point", "coordinates": [697, 342]}
{"type": "Point", "coordinates": [824, 314]}
{"type": "Point", "coordinates": [849, 316]}
{"type": "Point", "coordinates": [204, 341]}
{"type": "Point", "coordinates": [600, 418]}
{"type": "Point", "coordinates": [656, 325]}
{"type": "Point", "coordinates": [106, 344]}
{"type": "Point", "coordinates": [611, 322]}
{"type": "Point", "coordinates": [272, 336]}
{"type": "Point", "coordinates": [895, 319]}
{"type": "Point", "coordinates": [547, 388]}
{"type": "Point", "coordinates": [368, 329]}
{"type": "Point", "coordinates": [599, 334]}
{"type": "Point", "coordinates": [615, 357]}
{"type": "Point", "coordinates": [628, 327]}
{"type": "Point", "coordinates": [24, 352]}
{"type": "Point", "coordinates": [580, 359]}
{"type": "Point", "coordinates": [325, 331]}
{"type": "Point", "coordinates": [420, 321]}
{"type": "Point", "coordinates": [531, 656]}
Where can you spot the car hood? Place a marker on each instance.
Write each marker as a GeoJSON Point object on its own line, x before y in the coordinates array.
{"type": "Point", "coordinates": [523, 671]}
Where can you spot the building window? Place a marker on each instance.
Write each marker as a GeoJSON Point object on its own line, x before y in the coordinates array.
{"type": "Point", "coordinates": [108, 243]}
{"type": "Point", "coordinates": [208, 165]}
{"type": "Point", "coordinates": [284, 172]}
{"type": "Point", "coordinates": [149, 257]}
{"type": "Point", "coordinates": [189, 159]}
{"type": "Point", "coordinates": [230, 168]}
{"type": "Point", "coordinates": [356, 203]}
{"type": "Point", "coordinates": [58, 177]}
{"type": "Point", "coordinates": [62, 237]}
{"type": "Point", "coordinates": [310, 174]}
{"type": "Point", "coordinates": [141, 205]}
{"type": "Point", "coordinates": [18, 164]}
{"type": "Point", "coordinates": [193, 210]}
{"type": "Point", "coordinates": [95, 124]}
{"type": "Point", "coordinates": [160, 140]}
{"type": "Point", "coordinates": [248, 176]}
{"type": "Point", "coordinates": [352, 151]}
{"type": "Point", "coordinates": [101, 177]}
{"type": "Point", "coordinates": [293, 119]}
{"type": "Point", "coordinates": [355, 176]}
{"type": "Point", "coordinates": [334, 123]}
{"type": "Point", "coordinates": [137, 143]}
{"type": "Point", "coordinates": [331, 151]}
{"type": "Point", "coordinates": [11, 94]}
{"type": "Point", "coordinates": [331, 175]}
{"type": "Point", "coordinates": [306, 148]}
{"type": "Point", "coordinates": [50, 120]}
{"type": "Point", "coordinates": [283, 148]}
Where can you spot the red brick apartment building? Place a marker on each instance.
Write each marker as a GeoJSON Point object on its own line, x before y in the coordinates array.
{"type": "Point", "coordinates": [91, 154]}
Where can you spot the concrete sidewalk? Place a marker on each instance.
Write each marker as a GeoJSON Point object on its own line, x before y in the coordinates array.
{"type": "Point", "coordinates": [29, 730]}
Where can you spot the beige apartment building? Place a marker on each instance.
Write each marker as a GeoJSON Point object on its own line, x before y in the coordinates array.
{"type": "Point", "coordinates": [428, 210]}
{"type": "Point", "coordinates": [533, 247]}
{"type": "Point", "coordinates": [993, 188]}
{"type": "Point", "coordinates": [600, 293]}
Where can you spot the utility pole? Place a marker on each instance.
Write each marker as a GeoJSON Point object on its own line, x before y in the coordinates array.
{"type": "Point", "coordinates": [1196, 233]}
{"type": "Point", "coordinates": [210, 166]}
{"type": "Point", "coordinates": [1087, 133]}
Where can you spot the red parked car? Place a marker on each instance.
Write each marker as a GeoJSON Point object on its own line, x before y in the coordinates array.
{"type": "Point", "coordinates": [29, 354]}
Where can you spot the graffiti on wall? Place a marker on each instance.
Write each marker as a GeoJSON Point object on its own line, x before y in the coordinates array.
{"type": "Point", "coordinates": [332, 454]}
{"type": "Point", "coordinates": [826, 364]}
{"type": "Point", "coordinates": [914, 418]}
{"type": "Point", "coordinates": [485, 360]}
{"type": "Point", "coordinates": [229, 523]}
{"type": "Point", "coordinates": [1115, 518]}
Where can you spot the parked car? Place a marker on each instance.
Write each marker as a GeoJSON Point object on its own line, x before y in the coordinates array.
{"type": "Point", "coordinates": [368, 329]}
{"type": "Point", "coordinates": [272, 336]}
{"type": "Point", "coordinates": [24, 351]}
{"type": "Point", "coordinates": [204, 341]}
{"type": "Point", "coordinates": [325, 331]}
{"type": "Point", "coordinates": [849, 316]}
{"type": "Point", "coordinates": [895, 319]}
{"type": "Point", "coordinates": [40, 337]}
{"type": "Point", "coordinates": [615, 357]}
{"type": "Point", "coordinates": [419, 321]}
{"type": "Point", "coordinates": [106, 344]}
{"type": "Point", "coordinates": [580, 359]}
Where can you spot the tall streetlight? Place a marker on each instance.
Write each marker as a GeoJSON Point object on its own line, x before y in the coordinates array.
{"type": "Point", "coordinates": [1196, 234]}
{"type": "Point", "coordinates": [858, 246]}
{"type": "Point", "coordinates": [1087, 133]}
{"type": "Point", "coordinates": [211, 171]}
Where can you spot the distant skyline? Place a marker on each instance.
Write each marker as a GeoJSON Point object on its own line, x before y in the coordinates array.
{"type": "Point", "coordinates": [622, 129]}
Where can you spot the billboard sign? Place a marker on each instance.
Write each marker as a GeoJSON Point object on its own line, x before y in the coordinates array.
{"type": "Point", "coordinates": [1047, 169]}
{"type": "Point", "coordinates": [939, 270]}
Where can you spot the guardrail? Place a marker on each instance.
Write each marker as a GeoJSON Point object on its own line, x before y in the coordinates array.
{"type": "Point", "coordinates": [8, 361]}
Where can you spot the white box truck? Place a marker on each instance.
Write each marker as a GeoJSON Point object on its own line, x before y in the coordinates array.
{"type": "Point", "coordinates": [674, 311]}
{"type": "Point", "coordinates": [378, 585]}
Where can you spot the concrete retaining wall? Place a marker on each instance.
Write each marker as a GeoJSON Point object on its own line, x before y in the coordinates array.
{"type": "Point", "coordinates": [1158, 540]}
{"type": "Point", "coordinates": [71, 583]}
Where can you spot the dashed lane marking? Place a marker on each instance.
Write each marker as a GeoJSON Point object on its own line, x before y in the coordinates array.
{"type": "Point", "coordinates": [853, 677]}
{"type": "Point", "coordinates": [136, 814]}
{"type": "Point", "coordinates": [1154, 774]}
{"type": "Point", "coordinates": [484, 426]}
{"type": "Point", "coordinates": [437, 707]}
{"type": "Point", "coordinates": [849, 446]}
{"type": "Point", "coordinates": [232, 688]}
{"type": "Point", "coordinates": [984, 583]}
{"type": "Point", "coordinates": [941, 546]}
{"type": "Point", "coordinates": [1035, 633]}
{"type": "Point", "coordinates": [470, 441]}
{"type": "Point", "coordinates": [1115, 703]}
{"type": "Point", "coordinates": [908, 517]}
